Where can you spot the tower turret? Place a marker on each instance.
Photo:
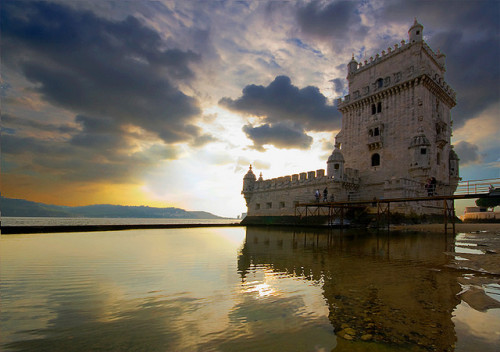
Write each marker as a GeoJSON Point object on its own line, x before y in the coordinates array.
{"type": "Point", "coordinates": [416, 32]}
{"type": "Point", "coordinates": [454, 165]}
{"type": "Point", "coordinates": [335, 164]}
{"type": "Point", "coordinates": [352, 66]}
{"type": "Point", "coordinates": [420, 155]}
{"type": "Point", "coordinates": [248, 185]}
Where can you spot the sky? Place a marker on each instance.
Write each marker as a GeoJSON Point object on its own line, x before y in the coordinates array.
{"type": "Point", "coordinates": [167, 103]}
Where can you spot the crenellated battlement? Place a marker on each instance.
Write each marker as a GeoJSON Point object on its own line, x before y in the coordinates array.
{"type": "Point", "coordinates": [398, 48]}
{"type": "Point", "coordinates": [397, 80]}
{"type": "Point", "coordinates": [310, 178]}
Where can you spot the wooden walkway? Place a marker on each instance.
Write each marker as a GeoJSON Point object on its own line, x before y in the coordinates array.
{"type": "Point", "coordinates": [335, 211]}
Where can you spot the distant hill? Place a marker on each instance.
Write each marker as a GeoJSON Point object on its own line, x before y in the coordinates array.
{"type": "Point", "coordinates": [25, 208]}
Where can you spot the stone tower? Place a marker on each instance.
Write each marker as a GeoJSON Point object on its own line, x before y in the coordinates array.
{"type": "Point", "coordinates": [396, 120]}
{"type": "Point", "coordinates": [396, 130]}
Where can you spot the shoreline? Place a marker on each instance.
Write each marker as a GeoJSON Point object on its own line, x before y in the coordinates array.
{"type": "Point", "coordinates": [459, 227]}
{"type": "Point", "coordinates": [437, 227]}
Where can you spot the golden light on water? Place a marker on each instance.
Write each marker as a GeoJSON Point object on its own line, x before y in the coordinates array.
{"type": "Point", "coordinates": [262, 289]}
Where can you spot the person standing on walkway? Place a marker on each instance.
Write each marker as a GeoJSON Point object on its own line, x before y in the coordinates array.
{"type": "Point", "coordinates": [317, 195]}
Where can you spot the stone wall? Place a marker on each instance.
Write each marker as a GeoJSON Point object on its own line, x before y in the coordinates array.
{"type": "Point", "coordinates": [279, 196]}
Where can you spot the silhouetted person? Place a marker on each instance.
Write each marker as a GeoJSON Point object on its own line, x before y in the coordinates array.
{"type": "Point", "coordinates": [325, 195]}
{"type": "Point", "coordinates": [317, 195]}
{"type": "Point", "coordinates": [428, 187]}
{"type": "Point", "coordinates": [433, 186]}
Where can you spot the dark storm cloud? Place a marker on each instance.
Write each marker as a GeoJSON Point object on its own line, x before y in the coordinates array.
{"type": "Point", "coordinates": [101, 157]}
{"type": "Point", "coordinates": [281, 101]}
{"type": "Point", "coordinates": [337, 20]}
{"type": "Point", "coordinates": [121, 71]}
{"type": "Point", "coordinates": [279, 135]}
{"type": "Point", "coordinates": [473, 71]}
{"type": "Point", "coordinates": [98, 150]}
{"type": "Point", "coordinates": [467, 152]}
{"type": "Point", "coordinates": [338, 85]}
{"type": "Point", "coordinates": [14, 123]}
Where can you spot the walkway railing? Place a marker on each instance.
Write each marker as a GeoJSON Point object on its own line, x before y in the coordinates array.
{"type": "Point", "coordinates": [477, 186]}
{"type": "Point", "coordinates": [336, 210]}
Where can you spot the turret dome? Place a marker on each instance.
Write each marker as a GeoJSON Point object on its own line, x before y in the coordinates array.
{"type": "Point", "coordinates": [416, 32]}
{"type": "Point", "coordinates": [419, 140]}
{"type": "Point", "coordinates": [249, 175]}
{"type": "Point", "coordinates": [335, 164]}
{"type": "Point", "coordinates": [336, 156]}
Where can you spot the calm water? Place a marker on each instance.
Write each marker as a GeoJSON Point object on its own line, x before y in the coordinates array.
{"type": "Point", "coordinates": [235, 289]}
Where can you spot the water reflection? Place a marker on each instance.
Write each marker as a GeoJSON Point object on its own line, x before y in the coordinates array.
{"type": "Point", "coordinates": [155, 290]}
{"type": "Point", "coordinates": [237, 289]}
{"type": "Point", "coordinates": [384, 290]}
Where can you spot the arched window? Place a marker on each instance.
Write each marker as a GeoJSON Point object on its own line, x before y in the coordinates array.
{"type": "Point", "coordinates": [374, 109]}
{"type": "Point", "coordinates": [375, 159]}
{"type": "Point", "coordinates": [380, 83]}
{"type": "Point", "coordinates": [379, 107]}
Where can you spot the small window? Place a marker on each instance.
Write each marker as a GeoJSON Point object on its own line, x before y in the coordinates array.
{"type": "Point", "coordinates": [376, 132]}
{"type": "Point", "coordinates": [379, 107]}
{"type": "Point", "coordinates": [370, 133]}
{"type": "Point", "coordinates": [336, 166]}
{"type": "Point", "coordinates": [374, 109]}
{"type": "Point", "coordinates": [269, 205]}
{"type": "Point", "coordinates": [418, 32]}
{"type": "Point", "coordinates": [438, 158]}
{"type": "Point", "coordinates": [257, 206]}
{"type": "Point", "coordinates": [282, 204]}
{"type": "Point", "coordinates": [423, 151]}
{"type": "Point", "coordinates": [375, 160]}
{"type": "Point", "coordinates": [380, 83]}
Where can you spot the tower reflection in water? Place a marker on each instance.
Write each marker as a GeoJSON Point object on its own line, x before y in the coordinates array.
{"type": "Point", "coordinates": [380, 288]}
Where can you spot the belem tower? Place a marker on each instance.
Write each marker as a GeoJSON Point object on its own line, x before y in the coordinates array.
{"type": "Point", "coordinates": [395, 136]}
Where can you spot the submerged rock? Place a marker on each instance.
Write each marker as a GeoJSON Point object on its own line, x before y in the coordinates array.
{"type": "Point", "coordinates": [367, 337]}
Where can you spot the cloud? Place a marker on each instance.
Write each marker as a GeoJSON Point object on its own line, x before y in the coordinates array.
{"type": "Point", "coordinates": [203, 140]}
{"type": "Point", "coordinates": [474, 78]}
{"type": "Point", "coordinates": [120, 71]}
{"type": "Point", "coordinates": [16, 123]}
{"type": "Point", "coordinates": [338, 85]}
{"type": "Point", "coordinates": [279, 135]}
{"type": "Point", "coordinates": [243, 163]}
{"type": "Point", "coordinates": [467, 152]}
{"type": "Point", "coordinates": [336, 21]}
{"type": "Point", "coordinates": [98, 151]}
{"type": "Point", "coordinates": [281, 101]}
